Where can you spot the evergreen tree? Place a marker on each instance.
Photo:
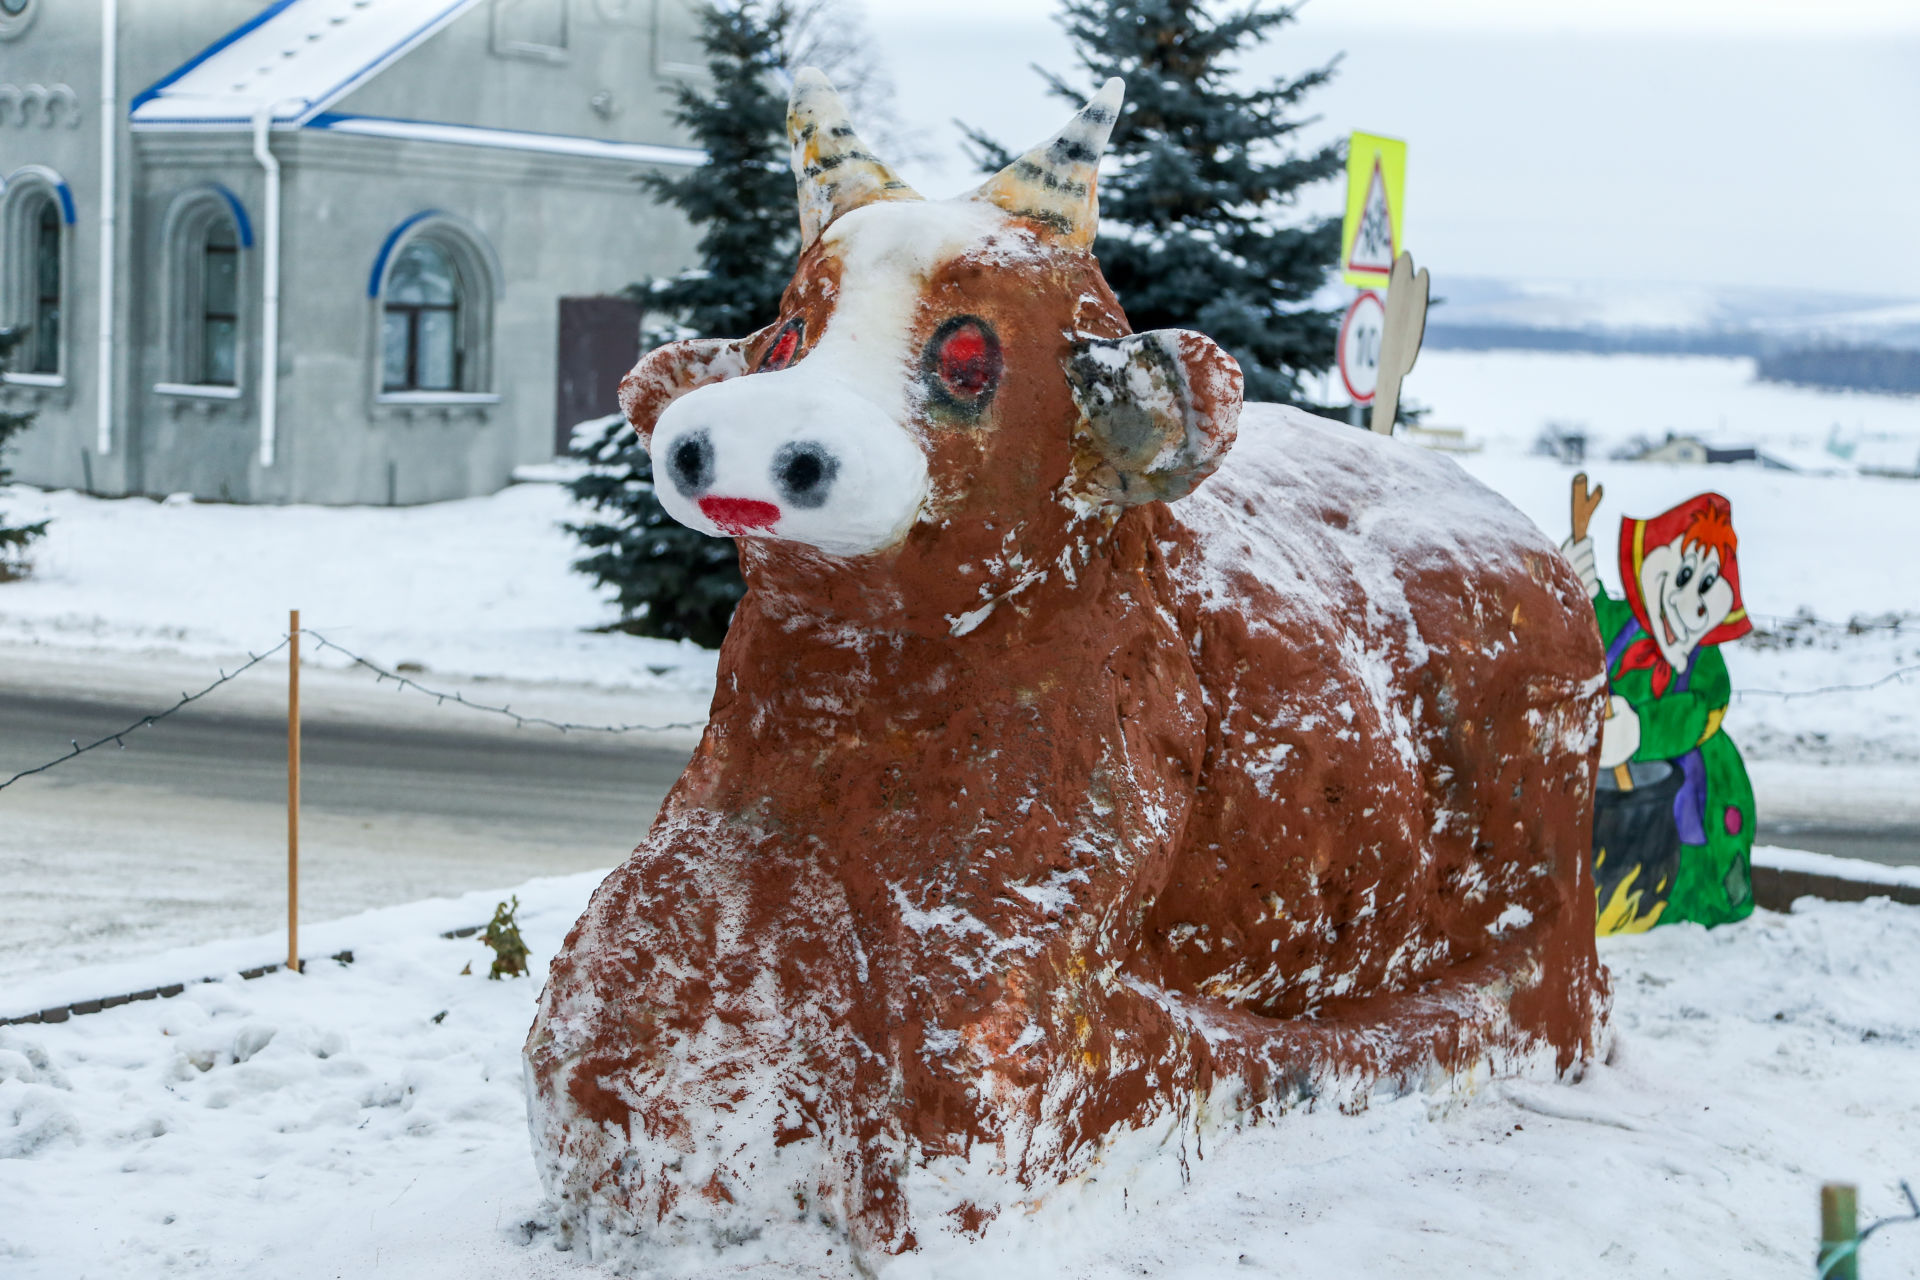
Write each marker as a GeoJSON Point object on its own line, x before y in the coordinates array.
{"type": "Point", "coordinates": [13, 538]}
{"type": "Point", "coordinates": [1189, 217]}
{"type": "Point", "coordinates": [671, 581]}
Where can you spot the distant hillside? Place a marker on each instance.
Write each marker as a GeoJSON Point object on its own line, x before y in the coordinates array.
{"type": "Point", "coordinates": [1445, 334]}
{"type": "Point", "coordinates": [1852, 368]}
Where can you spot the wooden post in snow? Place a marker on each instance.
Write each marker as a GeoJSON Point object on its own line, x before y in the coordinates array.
{"type": "Point", "coordinates": [1839, 1232]}
{"type": "Point", "coordinates": [293, 789]}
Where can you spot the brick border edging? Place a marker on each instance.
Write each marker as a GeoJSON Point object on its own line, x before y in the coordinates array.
{"type": "Point", "coordinates": [60, 1013]}
{"type": "Point", "coordinates": [1775, 888]}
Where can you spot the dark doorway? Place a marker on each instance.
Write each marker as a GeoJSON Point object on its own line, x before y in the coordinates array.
{"type": "Point", "coordinates": [599, 342]}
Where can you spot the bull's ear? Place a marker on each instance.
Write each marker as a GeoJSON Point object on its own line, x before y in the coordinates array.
{"type": "Point", "coordinates": [1158, 412]}
{"type": "Point", "coordinates": [666, 373]}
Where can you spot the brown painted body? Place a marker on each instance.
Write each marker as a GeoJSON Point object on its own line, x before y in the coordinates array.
{"type": "Point", "coordinates": [1070, 817]}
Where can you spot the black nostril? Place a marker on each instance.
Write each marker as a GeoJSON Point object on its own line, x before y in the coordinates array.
{"type": "Point", "coordinates": [804, 472]}
{"type": "Point", "coordinates": [690, 461]}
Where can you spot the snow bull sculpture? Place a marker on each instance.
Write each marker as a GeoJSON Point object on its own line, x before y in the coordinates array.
{"type": "Point", "coordinates": [1041, 816]}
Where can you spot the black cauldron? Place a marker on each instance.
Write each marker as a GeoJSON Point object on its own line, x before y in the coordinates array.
{"type": "Point", "coordinates": [1634, 830]}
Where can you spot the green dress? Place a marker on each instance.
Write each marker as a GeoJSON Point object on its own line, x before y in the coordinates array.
{"type": "Point", "coordinates": [1713, 817]}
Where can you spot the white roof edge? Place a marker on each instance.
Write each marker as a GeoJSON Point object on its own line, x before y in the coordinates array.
{"type": "Point", "coordinates": [510, 140]}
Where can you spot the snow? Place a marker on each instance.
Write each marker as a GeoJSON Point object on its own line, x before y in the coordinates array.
{"type": "Point", "coordinates": [371, 1116]}
{"type": "Point", "coordinates": [296, 57]}
{"type": "Point", "coordinates": [1819, 864]}
{"type": "Point", "coordinates": [476, 588]}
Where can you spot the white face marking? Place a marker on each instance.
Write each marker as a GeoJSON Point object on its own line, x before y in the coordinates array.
{"type": "Point", "coordinates": [1686, 597]}
{"type": "Point", "coordinates": [823, 452]}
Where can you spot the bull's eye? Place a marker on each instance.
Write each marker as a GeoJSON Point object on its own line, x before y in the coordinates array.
{"type": "Point", "coordinates": [786, 345]}
{"type": "Point", "coordinates": [962, 364]}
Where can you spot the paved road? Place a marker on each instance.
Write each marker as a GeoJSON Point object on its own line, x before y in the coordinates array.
{"type": "Point", "coordinates": [180, 837]}
{"type": "Point", "coordinates": [574, 787]}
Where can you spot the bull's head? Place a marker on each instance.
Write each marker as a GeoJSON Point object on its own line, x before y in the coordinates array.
{"type": "Point", "coordinates": [951, 396]}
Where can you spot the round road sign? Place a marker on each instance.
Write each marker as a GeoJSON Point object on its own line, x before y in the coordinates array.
{"type": "Point", "coordinates": [1360, 346]}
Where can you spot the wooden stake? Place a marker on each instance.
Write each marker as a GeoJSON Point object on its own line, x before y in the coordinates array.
{"type": "Point", "coordinates": [293, 789]}
{"type": "Point", "coordinates": [1839, 1232]}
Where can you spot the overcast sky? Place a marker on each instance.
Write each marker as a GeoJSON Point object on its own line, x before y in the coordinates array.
{"type": "Point", "coordinates": [1755, 142]}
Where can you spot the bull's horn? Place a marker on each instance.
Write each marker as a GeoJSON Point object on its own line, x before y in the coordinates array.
{"type": "Point", "coordinates": [1053, 184]}
{"type": "Point", "coordinates": [831, 166]}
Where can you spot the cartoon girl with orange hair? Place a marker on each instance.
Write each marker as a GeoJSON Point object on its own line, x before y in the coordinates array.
{"type": "Point", "coordinates": [1673, 821]}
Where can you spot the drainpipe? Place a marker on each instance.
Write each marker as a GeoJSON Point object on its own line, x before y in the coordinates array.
{"type": "Point", "coordinates": [109, 143]}
{"type": "Point", "coordinates": [270, 302]}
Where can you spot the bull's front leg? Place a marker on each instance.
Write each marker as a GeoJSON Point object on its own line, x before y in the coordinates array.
{"type": "Point", "coordinates": [690, 1067]}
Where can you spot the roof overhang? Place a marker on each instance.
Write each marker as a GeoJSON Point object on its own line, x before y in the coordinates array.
{"type": "Point", "coordinates": [294, 59]}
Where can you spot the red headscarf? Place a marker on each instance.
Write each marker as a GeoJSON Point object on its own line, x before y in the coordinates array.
{"type": "Point", "coordinates": [1706, 519]}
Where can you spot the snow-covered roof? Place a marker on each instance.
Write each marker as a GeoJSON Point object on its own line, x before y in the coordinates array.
{"type": "Point", "coordinates": [297, 55]}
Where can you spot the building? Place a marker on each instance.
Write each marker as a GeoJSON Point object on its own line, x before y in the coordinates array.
{"type": "Point", "coordinates": [407, 202]}
{"type": "Point", "coordinates": [1693, 451]}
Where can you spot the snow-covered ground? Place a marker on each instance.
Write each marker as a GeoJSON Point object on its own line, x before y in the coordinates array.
{"type": "Point", "coordinates": [473, 588]}
{"type": "Point", "coordinates": [368, 1119]}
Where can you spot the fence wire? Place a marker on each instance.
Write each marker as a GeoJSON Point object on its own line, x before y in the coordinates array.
{"type": "Point", "coordinates": [381, 675]}
{"type": "Point", "coordinates": [253, 660]}
{"type": "Point", "coordinates": [441, 697]}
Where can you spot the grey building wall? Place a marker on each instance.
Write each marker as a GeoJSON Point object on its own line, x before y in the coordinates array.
{"type": "Point", "coordinates": [61, 46]}
{"type": "Point", "coordinates": [550, 226]}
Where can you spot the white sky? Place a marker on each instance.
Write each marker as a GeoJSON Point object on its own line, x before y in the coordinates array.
{"type": "Point", "coordinates": [1756, 142]}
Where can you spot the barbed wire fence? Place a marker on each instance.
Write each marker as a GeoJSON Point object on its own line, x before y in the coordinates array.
{"type": "Point", "coordinates": [403, 682]}
{"type": "Point", "coordinates": [381, 675]}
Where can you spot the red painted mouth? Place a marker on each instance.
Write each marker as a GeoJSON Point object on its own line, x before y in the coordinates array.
{"type": "Point", "coordinates": [740, 516]}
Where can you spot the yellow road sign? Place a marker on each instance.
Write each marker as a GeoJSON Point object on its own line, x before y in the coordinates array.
{"type": "Point", "coordinates": [1376, 200]}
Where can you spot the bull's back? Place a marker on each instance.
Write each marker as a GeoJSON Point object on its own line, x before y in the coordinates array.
{"type": "Point", "coordinates": [1402, 706]}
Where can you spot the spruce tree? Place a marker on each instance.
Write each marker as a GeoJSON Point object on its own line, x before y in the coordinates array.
{"type": "Point", "coordinates": [1203, 172]}
{"type": "Point", "coordinates": [671, 581]}
{"type": "Point", "coordinates": [13, 538]}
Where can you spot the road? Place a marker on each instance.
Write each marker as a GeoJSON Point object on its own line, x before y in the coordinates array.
{"type": "Point", "coordinates": [180, 836]}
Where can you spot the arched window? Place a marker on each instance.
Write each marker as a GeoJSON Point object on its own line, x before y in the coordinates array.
{"type": "Point", "coordinates": [205, 232]}
{"type": "Point", "coordinates": [420, 337]}
{"type": "Point", "coordinates": [434, 282]}
{"type": "Point", "coordinates": [33, 296]}
{"type": "Point", "coordinates": [219, 305]}
{"type": "Point", "coordinates": [43, 324]}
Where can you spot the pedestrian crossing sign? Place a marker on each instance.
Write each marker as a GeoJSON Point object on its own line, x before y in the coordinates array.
{"type": "Point", "coordinates": [1376, 190]}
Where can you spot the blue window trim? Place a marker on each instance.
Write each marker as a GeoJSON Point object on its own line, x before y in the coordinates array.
{"type": "Point", "coordinates": [66, 201]}
{"type": "Point", "coordinates": [239, 212]}
{"type": "Point", "coordinates": [387, 247]}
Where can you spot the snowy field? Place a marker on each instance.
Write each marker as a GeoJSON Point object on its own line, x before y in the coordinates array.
{"type": "Point", "coordinates": [368, 1120]}
{"type": "Point", "coordinates": [473, 588]}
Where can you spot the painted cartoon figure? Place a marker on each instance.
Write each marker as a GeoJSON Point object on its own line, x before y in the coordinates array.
{"type": "Point", "coordinates": [1673, 820]}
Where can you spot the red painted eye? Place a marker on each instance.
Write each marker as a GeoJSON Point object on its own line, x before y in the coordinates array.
{"type": "Point", "coordinates": [781, 353]}
{"type": "Point", "coordinates": [964, 361]}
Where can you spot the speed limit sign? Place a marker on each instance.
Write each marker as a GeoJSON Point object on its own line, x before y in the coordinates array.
{"type": "Point", "coordinates": [1360, 334]}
